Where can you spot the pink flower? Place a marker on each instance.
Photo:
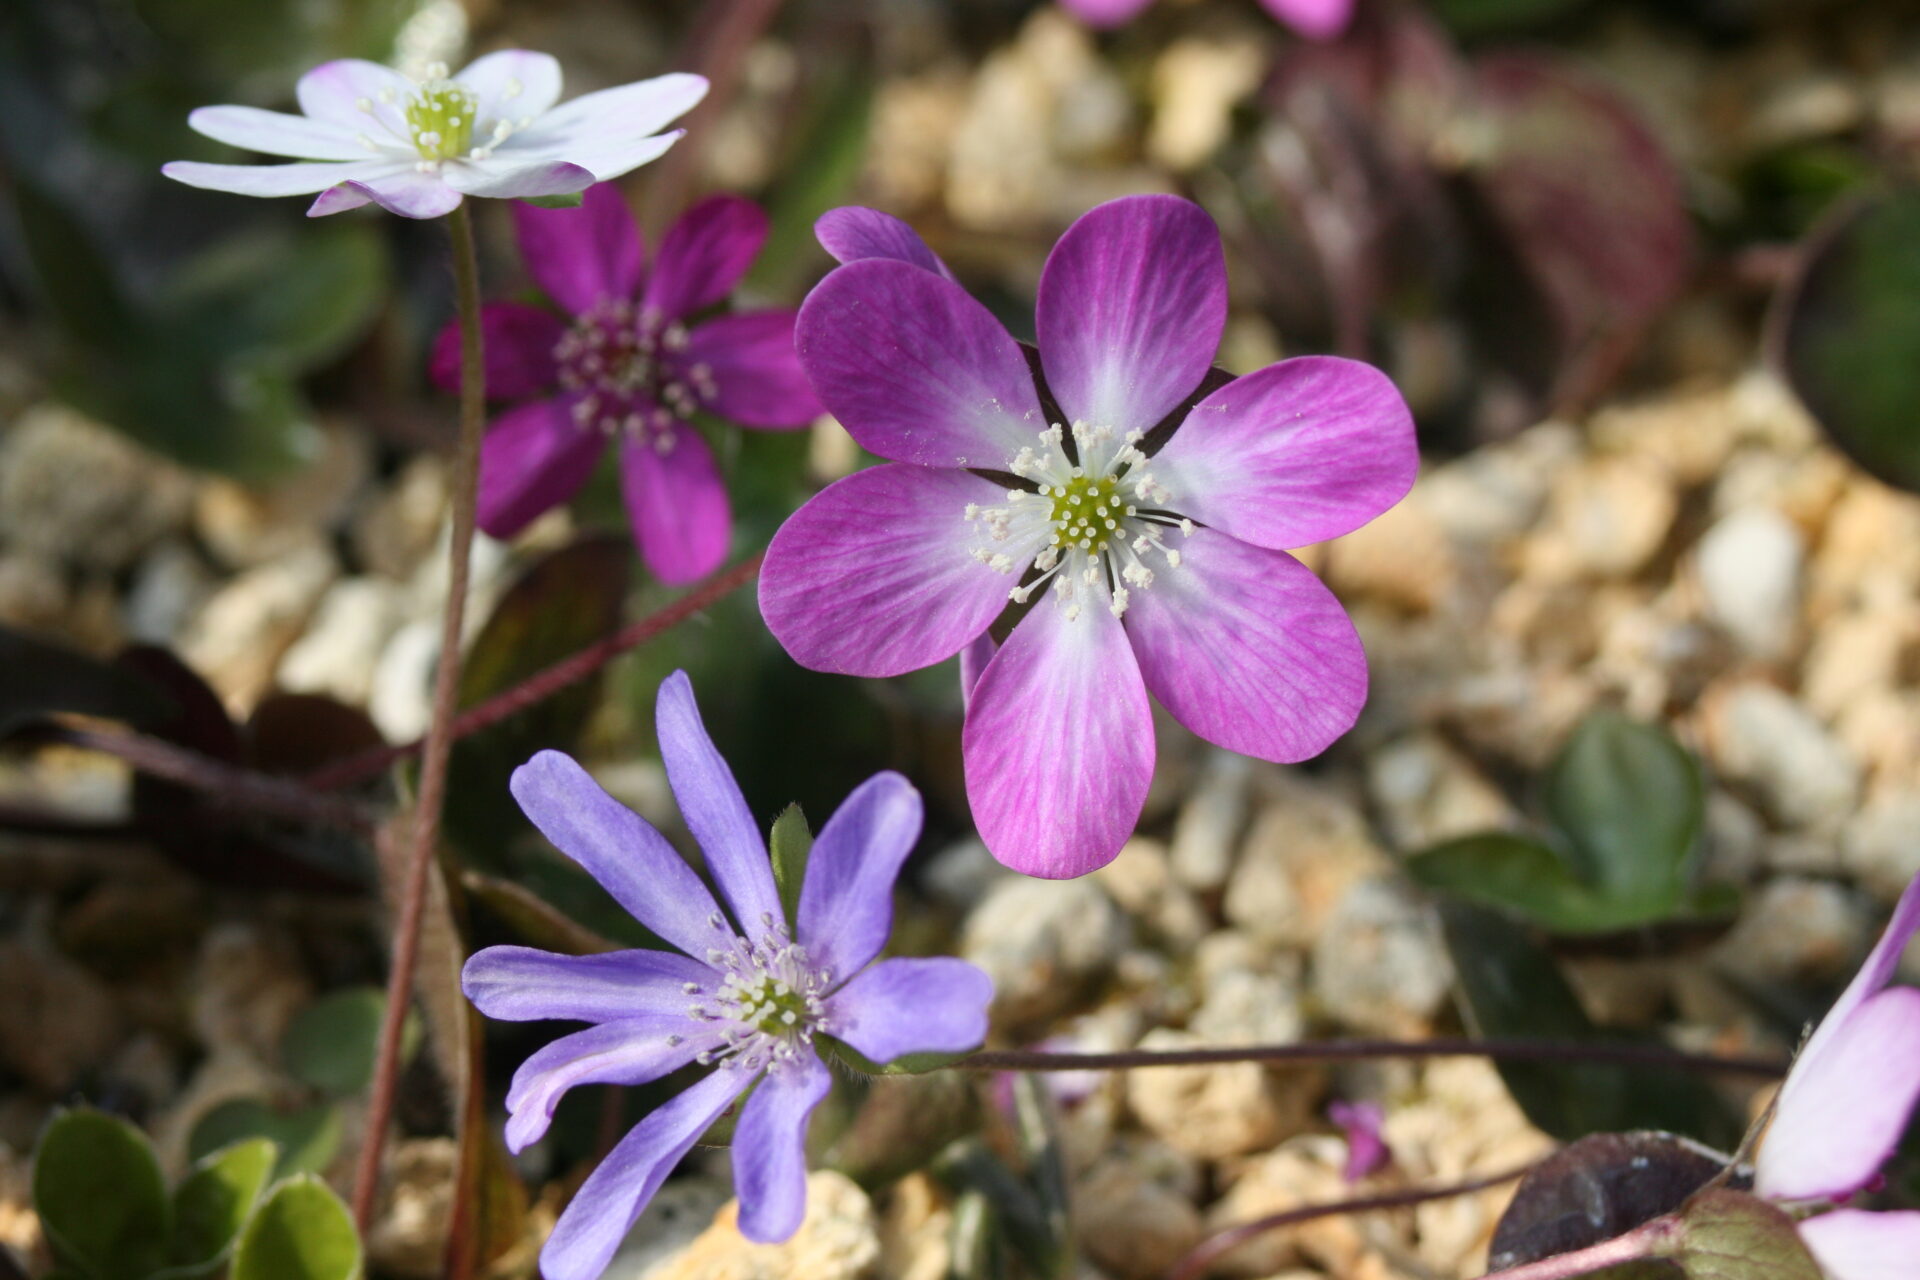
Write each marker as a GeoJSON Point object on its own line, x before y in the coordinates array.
{"type": "Point", "coordinates": [1314, 19]}
{"type": "Point", "coordinates": [1366, 1147]}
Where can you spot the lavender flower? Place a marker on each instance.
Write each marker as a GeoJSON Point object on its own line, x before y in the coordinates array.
{"type": "Point", "coordinates": [1315, 19]}
{"type": "Point", "coordinates": [750, 996]}
{"type": "Point", "coordinates": [1843, 1109]}
{"type": "Point", "coordinates": [1361, 1123]}
{"type": "Point", "coordinates": [1165, 562]}
{"type": "Point", "coordinates": [620, 362]}
{"type": "Point", "coordinates": [367, 133]}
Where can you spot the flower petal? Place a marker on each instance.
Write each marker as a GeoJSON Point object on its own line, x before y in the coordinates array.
{"type": "Point", "coordinates": [1314, 19]}
{"type": "Point", "coordinates": [676, 504]}
{"type": "Point", "coordinates": [1248, 649]}
{"type": "Point", "coordinates": [897, 1007]}
{"type": "Point", "coordinates": [410, 193]}
{"type": "Point", "coordinates": [875, 576]}
{"type": "Point", "coordinates": [1105, 13]}
{"type": "Point", "coordinates": [915, 369]}
{"type": "Point", "coordinates": [277, 179]}
{"type": "Point", "coordinates": [853, 233]}
{"type": "Point", "coordinates": [1131, 307]}
{"type": "Point", "coordinates": [520, 984]}
{"type": "Point", "coordinates": [511, 84]}
{"type": "Point", "coordinates": [276, 134]}
{"type": "Point", "coordinates": [581, 256]}
{"type": "Point", "coordinates": [631, 1051]}
{"type": "Point", "coordinates": [1839, 1119]}
{"type": "Point", "coordinates": [713, 808]}
{"type": "Point", "coordinates": [1059, 743]}
{"type": "Point", "coordinates": [973, 660]}
{"type": "Point", "coordinates": [769, 1149]}
{"type": "Point", "coordinates": [611, 118]}
{"type": "Point", "coordinates": [1293, 454]}
{"type": "Point", "coordinates": [1852, 1244]}
{"type": "Point", "coordinates": [846, 900]}
{"type": "Point", "coordinates": [338, 199]}
{"type": "Point", "coordinates": [704, 254]}
{"type": "Point", "coordinates": [1875, 973]}
{"type": "Point", "coordinates": [611, 1200]}
{"type": "Point", "coordinates": [354, 93]}
{"type": "Point", "coordinates": [757, 379]}
{"type": "Point", "coordinates": [617, 847]}
{"type": "Point", "coordinates": [517, 344]}
{"type": "Point", "coordinates": [609, 161]}
{"type": "Point", "coordinates": [504, 178]}
{"type": "Point", "coordinates": [533, 458]}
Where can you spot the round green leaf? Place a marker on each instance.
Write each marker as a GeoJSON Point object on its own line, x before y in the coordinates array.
{"type": "Point", "coordinates": [302, 1232]}
{"type": "Point", "coordinates": [100, 1196]}
{"type": "Point", "coordinates": [1729, 1235]}
{"type": "Point", "coordinates": [332, 1043]}
{"type": "Point", "coordinates": [1628, 799]}
{"type": "Point", "coordinates": [308, 1138]}
{"type": "Point", "coordinates": [213, 1203]}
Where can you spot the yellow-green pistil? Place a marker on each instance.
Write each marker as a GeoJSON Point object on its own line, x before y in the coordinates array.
{"type": "Point", "coordinates": [775, 1007]}
{"type": "Point", "coordinates": [440, 116]}
{"type": "Point", "coordinates": [1087, 511]}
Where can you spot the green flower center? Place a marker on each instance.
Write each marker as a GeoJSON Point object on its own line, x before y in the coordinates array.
{"type": "Point", "coordinates": [1087, 511]}
{"type": "Point", "coordinates": [440, 116]}
{"type": "Point", "coordinates": [774, 1007]}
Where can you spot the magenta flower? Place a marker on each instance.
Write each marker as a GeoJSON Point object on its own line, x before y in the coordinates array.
{"type": "Point", "coordinates": [1843, 1109]}
{"type": "Point", "coordinates": [367, 133]}
{"type": "Point", "coordinates": [1360, 1123]}
{"type": "Point", "coordinates": [621, 362]}
{"type": "Point", "coordinates": [1314, 19]}
{"type": "Point", "coordinates": [1145, 563]}
{"type": "Point", "coordinates": [750, 996]}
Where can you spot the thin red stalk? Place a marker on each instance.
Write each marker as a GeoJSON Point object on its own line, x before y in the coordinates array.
{"type": "Point", "coordinates": [1328, 1051]}
{"type": "Point", "coordinates": [425, 832]}
{"type": "Point", "coordinates": [1641, 1243]}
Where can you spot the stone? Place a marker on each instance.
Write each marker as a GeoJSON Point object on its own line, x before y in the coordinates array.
{"type": "Point", "coordinates": [170, 585]}
{"type": "Point", "coordinates": [1213, 1112]}
{"type": "Point", "coordinates": [33, 592]}
{"type": "Point", "coordinates": [1140, 879]}
{"type": "Point", "coordinates": [1749, 564]}
{"type": "Point", "coordinates": [1869, 548]}
{"type": "Point", "coordinates": [78, 492]}
{"type": "Point", "coordinates": [1606, 516]}
{"type": "Point", "coordinates": [1379, 965]}
{"type": "Point", "coordinates": [1252, 1005]}
{"type": "Point", "coordinates": [397, 525]}
{"type": "Point", "coordinates": [1402, 559]}
{"type": "Point", "coordinates": [1043, 942]}
{"type": "Point", "coordinates": [1800, 773]}
{"type": "Point", "coordinates": [962, 873]}
{"type": "Point", "coordinates": [409, 1233]}
{"type": "Point", "coordinates": [1210, 821]}
{"type": "Point", "coordinates": [400, 696]}
{"type": "Point", "coordinates": [1795, 930]}
{"type": "Point", "coordinates": [1302, 1171]}
{"type": "Point", "coordinates": [1428, 792]}
{"type": "Point", "coordinates": [1304, 850]}
{"type": "Point", "coordinates": [19, 1224]}
{"type": "Point", "coordinates": [1857, 655]}
{"type": "Point", "coordinates": [1690, 432]}
{"type": "Point", "coordinates": [236, 640]}
{"type": "Point", "coordinates": [57, 1019]}
{"type": "Point", "coordinates": [1133, 1215]}
{"type": "Point", "coordinates": [246, 986]}
{"type": "Point", "coordinates": [916, 1231]}
{"type": "Point", "coordinates": [679, 1214]}
{"type": "Point", "coordinates": [1881, 843]}
{"type": "Point", "coordinates": [1498, 491]}
{"type": "Point", "coordinates": [341, 649]}
{"type": "Point", "coordinates": [1197, 82]}
{"type": "Point", "coordinates": [244, 526]}
{"type": "Point", "coordinates": [838, 1240]}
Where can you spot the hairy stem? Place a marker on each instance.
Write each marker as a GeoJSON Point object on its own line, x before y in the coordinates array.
{"type": "Point", "coordinates": [424, 836]}
{"type": "Point", "coordinates": [1643, 1242]}
{"type": "Point", "coordinates": [1328, 1051]}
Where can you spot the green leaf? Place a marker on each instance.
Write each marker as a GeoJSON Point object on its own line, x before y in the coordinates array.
{"type": "Point", "coordinates": [1522, 876]}
{"type": "Point", "coordinates": [1629, 800]}
{"type": "Point", "coordinates": [307, 1137]}
{"type": "Point", "coordinates": [100, 1196]}
{"type": "Point", "coordinates": [1730, 1235]}
{"type": "Point", "coordinates": [213, 1203]}
{"type": "Point", "coordinates": [302, 1232]}
{"type": "Point", "coordinates": [298, 299]}
{"type": "Point", "coordinates": [570, 200]}
{"type": "Point", "coordinates": [331, 1044]}
{"type": "Point", "coordinates": [790, 842]}
{"type": "Point", "coordinates": [1847, 333]}
{"type": "Point", "coordinates": [75, 280]}
{"type": "Point", "coordinates": [537, 921]}
{"type": "Point", "coordinates": [827, 159]}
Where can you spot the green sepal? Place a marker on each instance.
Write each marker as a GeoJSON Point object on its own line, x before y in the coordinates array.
{"type": "Point", "coordinates": [570, 200]}
{"type": "Point", "coordinates": [907, 1064]}
{"type": "Point", "coordinates": [790, 842]}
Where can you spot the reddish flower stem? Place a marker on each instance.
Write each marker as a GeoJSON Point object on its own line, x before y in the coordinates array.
{"type": "Point", "coordinates": [1329, 1051]}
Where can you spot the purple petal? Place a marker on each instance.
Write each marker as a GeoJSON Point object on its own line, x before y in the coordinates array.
{"type": "Point", "coordinates": [631, 1051]}
{"type": "Point", "coordinates": [875, 576]}
{"type": "Point", "coordinates": [520, 984]}
{"type": "Point", "coordinates": [1852, 1244]}
{"type": "Point", "coordinates": [1366, 1149]}
{"type": "Point", "coordinates": [1059, 743]}
{"type": "Point", "coordinates": [913, 1006]}
{"type": "Point", "coordinates": [1248, 649]}
{"type": "Point", "coordinates": [769, 1149]}
{"type": "Point", "coordinates": [610, 118]}
{"type": "Point", "coordinates": [973, 660]}
{"type": "Point", "coordinates": [704, 254]}
{"type": "Point", "coordinates": [1105, 13]}
{"type": "Point", "coordinates": [846, 900]}
{"type": "Point", "coordinates": [852, 233]}
{"type": "Point", "coordinates": [915, 369]}
{"type": "Point", "coordinates": [1314, 19]}
{"type": "Point", "coordinates": [714, 810]}
{"type": "Point", "coordinates": [611, 1200]}
{"type": "Point", "coordinates": [512, 83]}
{"type": "Point", "coordinates": [408, 193]}
{"type": "Point", "coordinates": [580, 256]}
{"type": "Point", "coordinates": [272, 133]}
{"type": "Point", "coordinates": [1294, 454]}
{"type": "Point", "coordinates": [1840, 1116]}
{"type": "Point", "coordinates": [336, 92]}
{"type": "Point", "coordinates": [756, 372]}
{"type": "Point", "coordinates": [533, 459]}
{"type": "Point", "coordinates": [517, 344]}
{"type": "Point", "coordinates": [1131, 307]}
{"type": "Point", "coordinates": [676, 504]}
{"type": "Point", "coordinates": [501, 178]}
{"type": "Point", "coordinates": [617, 847]}
{"type": "Point", "coordinates": [277, 179]}
{"type": "Point", "coordinates": [1875, 973]}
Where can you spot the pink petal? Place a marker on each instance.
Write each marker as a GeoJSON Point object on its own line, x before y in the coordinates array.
{"type": "Point", "coordinates": [1294, 454]}
{"type": "Point", "coordinates": [677, 505]}
{"type": "Point", "coordinates": [533, 459]}
{"type": "Point", "coordinates": [1875, 973]}
{"type": "Point", "coordinates": [1131, 307]}
{"type": "Point", "coordinates": [769, 1149]}
{"type": "Point", "coordinates": [875, 575]}
{"type": "Point", "coordinates": [517, 344]}
{"type": "Point", "coordinates": [1852, 1244]}
{"type": "Point", "coordinates": [704, 254]}
{"type": "Point", "coordinates": [272, 133]}
{"type": "Point", "coordinates": [410, 193]}
{"type": "Point", "coordinates": [338, 200]}
{"type": "Point", "coordinates": [1314, 19]}
{"type": "Point", "coordinates": [756, 373]}
{"type": "Point", "coordinates": [277, 179]}
{"type": "Point", "coordinates": [1248, 649]}
{"type": "Point", "coordinates": [611, 118]}
{"type": "Point", "coordinates": [580, 256]}
{"type": "Point", "coordinates": [1840, 1116]}
{"type": "Point", "coordinates": [512, 84]}
{"type": "Point", "coordinates": [1105, 13]}
{"type": "Point", "coordinates": [973, 661]}
{"type": "Point", "coordinates": [1059, 743]}
{"type": "Point", "coordinates": [915, 369]}
{"type": "Point", "coordinates": [336, 92]}
{"type": "Point", "coordinates": [853, 233]}
{"type": "Point", "coordinates": [501, 178]}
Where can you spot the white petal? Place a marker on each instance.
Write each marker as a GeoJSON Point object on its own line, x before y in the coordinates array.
{"type": "Point", "coordinates": [505, 178]}
{"type": "Point", "coordinates": [512, 84]}
{"type": "Point", "coordinates": [611, 118]}
{"type": "Point", "coordinates": [274, 179]}
{"type": "Point", "coordinates": [410, 193]}
{"type": "Point", "coordinates": [354, 93]}
{"type": "Point", "coordinates": [275, 134]}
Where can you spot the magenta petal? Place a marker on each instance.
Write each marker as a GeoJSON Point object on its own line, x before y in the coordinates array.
{"type": "Point", "coordinates": [1293, 454]}
{"type": "Point", "coordinates": [704, 254]}
{"type": "Point", "coordinates": [853, 233]}
{"type": "Point", "coordinates": [1852, 1244]}
{"type": "Point", "coordinates": [676, 504]}
{"type": "Point", "coordinates": [1104, 13]}
{"type": "Point", "coordinates": [915, 369]}
{"type": "Point", "coordinates": [936, 1005]}
{"type": "Point", "coordinates": [611, 1200]}
{"type": "Point", "coordinates": [1132, 304]}
{"type": "Point", "coordinates": [1841, 1115]}
{"type": "Point", "coordinates": [1248, 649]}
{"type": "Point", "coordinates": [517, 344]}
{"type": "Point", "coordinates": [533, 459]}
{"type": "Point", "coordinates": [1875, 973]}
{"type": "Point", "coordinates": [875, 575]}
{"type": "Point", "coordinates": [846, 900]}
{"type": "Point", "coordinates": [1314, 19]}
{"type": "Point", "coordinates": [1059, 743]}
{"type": "Point", "coordinates": [580, 256]}
{"type": "Point", "coordinates": [756, 373]}
{"type": "Point", "coordinates": [521, 984]}
{"type": "Point", "coordinates": [973, 660]}
{"type": "Point", "coordinates": [769, 1149]}
{"type": "Point", "coordinates": [631, 1051]}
